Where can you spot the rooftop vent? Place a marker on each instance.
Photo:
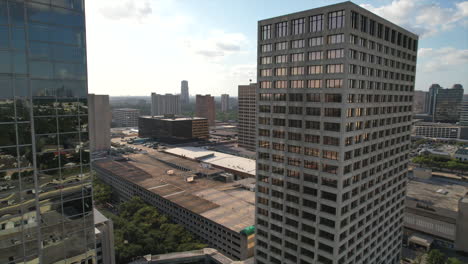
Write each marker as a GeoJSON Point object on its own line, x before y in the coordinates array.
{"type": "Point", "coordinates": [442, 191]}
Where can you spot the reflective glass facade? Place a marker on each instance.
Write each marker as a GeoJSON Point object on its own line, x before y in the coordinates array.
{"type": "Point", "coordinates": [45, 181]}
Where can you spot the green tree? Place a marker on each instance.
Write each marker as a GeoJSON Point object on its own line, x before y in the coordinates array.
{"type": "Point", "coordinates": [435, 257]}
{"type": "Point", "coordinates": [453, 261]}
{"type": "Point", "coordinates": [102, 192]}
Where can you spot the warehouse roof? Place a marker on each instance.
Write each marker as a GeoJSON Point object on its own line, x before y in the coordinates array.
{"type": "Point", "coordinates": [216, 158]}
{"type": "Point", "coordinates": [228, 204]}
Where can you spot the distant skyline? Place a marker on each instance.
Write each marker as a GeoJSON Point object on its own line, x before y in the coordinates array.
{"type": "Point", "coordinates": [136, 47]}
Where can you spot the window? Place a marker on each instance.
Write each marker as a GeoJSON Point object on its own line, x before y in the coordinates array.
{"type": "Point", "coordinates": [281, 71]}
{"type": "Point", "coordinates": [297, 44]}
{"type": "Point", "coordinates": [265, 60]}
{"type": "Point", "coordinates": [315, 55]}
{"type": "Point", "coordinates": [316, 69]}
{"type": "Point", "coordinates": [267, 47]}
{"type": "Point", "coordinates": [332, 112]}
{"type": "Point", "coordinates": [316, 41]}
{"type": "Point", "coordinates": [297, 84]}
{"type": "Point", "coordinates": [333, 98]}
{"type": "Point", "coordinates": [265, 85]}
{"type": "Point", "coordinates": [295, 97]}
{"type": "Point", "coordinates": [354, 20]}
{"type": "Point", "coordinates": [334, 83]}
{"type": "Point", "coordinates": [334, 39]}
{"type": "Point", "coordinates": [281, 29]}
{"type": "Point", "coordinates": [266, 72]}
{"type": "Point", "coordinates": [335, 54]}
{"type": "Point", "coordinates": [313, 97]}
{"type": "Point", "coordinates": [281, 45]}
{"type": "Point", "coordinates": [297, 57]}
{"type": "Point", "coordinates": [281, 59]}
{"type": "Point", "coordinates": [363, 23]}
{"type": "Point", "coordinates": [313, 111]}
{"type": "Point", "coordinates": [332, 126]}
{"type": "Point", "coordinates": [298, 26]}
{"type": "Point", "coordinates": [311, 152]}
{"type": "Point", "coordinates": [266, 32]}
{"type": "Point", "coordinates": [333, 141]}
{"type": "Point", "coordinates": [297, 70]}
{"type": "Point", "coordinates": [335, 68]}
{"type": "Point", "coordinates": [332, 155]}
{"type": "Point", "coordinates": [336, 19]}
{"type": "Point", "coordinates": [281, 84]}
{"type": "Point", "coordinates": [316, 23]}
{"type": "Point", "coordinates": [313, 125]}
{"type": "Point", "coordinates": [312, 138]}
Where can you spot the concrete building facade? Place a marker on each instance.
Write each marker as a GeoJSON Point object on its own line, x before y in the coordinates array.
{"type": "Point", "coordinates": [439, 130]}
{"type": "Point", "coordinates": [224, 102]}
{"type": "Point", "coordinates": [205, 107]}
{"type": "Point", "coordinates": [420, 98]}
{"type": "Point", "coordinates": [247, 113]}
{"type": "Point", "coordinates": [167, 104]}
{"type": "Point", "coordinates": [173, 129]}
{"type": "Point", "coordinates": [464, 113]}
{"type": "Point", "coordinates": [104, 231]}
{"type": "Point", "coordinates": [100, 119]}
{"type": "Point", "coordinates": [184, 92]}
{"type": "Point", "coordinates": [125, 117]}
{"type": "Point", "coordinates": [335, 104]}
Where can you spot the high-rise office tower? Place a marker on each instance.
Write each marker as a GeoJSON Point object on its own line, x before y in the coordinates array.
{"type": "Point", "coordinates": [46, 210]}
{"type": "Point", "coordinates": [100, 119]}
{"type": "Point", "coordinates": [430, 98]}
{"type": "Point", "coordinates": [335, 95]}
{"type": "Point", "coordinates": [184, 92]}
{"type": "Point", "coordinates": [224, 102]}
{"type": "Point", "coordinates": [247, 113]}
{"type": "Point", "coordinates": [205, 107]}
{"type": "Point", "coordinates": [168, 104]}
{"type": "Point", "coordinates": [419, 106]}
{"type": "Point", "coordinates": [446, 103]}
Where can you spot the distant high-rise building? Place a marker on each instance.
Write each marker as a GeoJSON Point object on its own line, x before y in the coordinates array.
{"type": "Point", "coordinates": [224, 102]}
{"type": "Point", "coordinates": [419, 106]}
{"type": "Point", "coordinates": [100, 119]}
{"type": "Point", "coordinates": [247, 116]}
{"type": "Point", "coordinates": [46, 209]}
{"type": "Point", "coordinates": [125, 117]}
{"type": "Point", "coordinates": [445, 104]}
{"type": "Point", "coordinates": [464, 113]}
{"type": "Point", "coordinates": [184, 92]}
{"type": "Point", "coordinates": [205, 107]}
{"type": "Point", "coordinates": [333, 123]}
{"type": "Point", "coordinates": [104, 239]}
{"type": "Point", "coordinates": [167, 104]}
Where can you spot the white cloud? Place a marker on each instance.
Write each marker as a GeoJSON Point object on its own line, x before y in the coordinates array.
{"type": "Point", "coordinates": [442, 59]}
{"type": "Point", "coordinates": [217, 45]}
{"type": "Point", "coordinates": [126, 9]}
{"type": "Point", "coordinates": [422, 17]}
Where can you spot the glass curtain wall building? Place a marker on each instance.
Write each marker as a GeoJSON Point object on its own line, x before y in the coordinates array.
{"type": "Point", "coordinates": [46, 211]}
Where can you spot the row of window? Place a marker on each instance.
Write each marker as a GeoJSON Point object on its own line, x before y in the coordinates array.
{"type": "Point", "coordinates": [300, 70]}
{"type": "Point", "coordinates": [298, 57]}
{"type": "Point", "coordinates": [376, 29]}
{"type": "Point", "coordinates": [300, 43]}
{"type": "Point", "coordinates": [362, 56]}
{"type": "Point", "coordinates": [372, 45]}
{"type": "Point", "coordinates": [336, 20]}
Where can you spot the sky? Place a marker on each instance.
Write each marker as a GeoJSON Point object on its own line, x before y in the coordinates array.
{"type": "Point", "coordinates": [136, 47]}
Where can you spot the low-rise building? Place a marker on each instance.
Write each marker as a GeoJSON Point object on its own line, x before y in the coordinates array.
{"type": "Point", "coordinates": [218, 213]}
{"type": "Point", "coordinates": [439, 130]}
{"type": "Point", "coordinates": [125, 117]}
{"type": "Point", "coordinates": [239, 166]}
{"type": "Point", "coordinates": [173, 128]}
{"type": "Point", "coordinates": [436, 213]}
{"type": "Point", "coordinates": [462, 154]}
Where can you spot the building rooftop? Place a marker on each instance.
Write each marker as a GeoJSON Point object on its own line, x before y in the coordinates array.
{"type": "Point", "coordinates": [437, 191]}
{"type": "Point", "coordinates": [99, 217]}
{"type": "Point", "coordinates": [216, 158]}
{"type": "Point", "coordinates": [228, 204]}
{"type": "Point", "coordinates": [165, 118]}
{"type": "Point", "coordinates": [195, 256]}
{"type": "Point", "coordinates": [463, 151]}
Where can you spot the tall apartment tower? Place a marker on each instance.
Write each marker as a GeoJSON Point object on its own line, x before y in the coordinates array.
{"type": "Point", "coordinates": [224, 102]}
{"type": "Point", "coordinates": [420, 98]}
{"type": "Point", "coordinates": [125, 117]}
{"type": "Point", "coordinates": [447, 104]}
{"type": "Point", "coordinates": [205, 107]}
{"type": "Point", "coordinates": [46, 213]}
{"type": "Point", "coordinates": [335, 101]}
{"type": "Point", "coordinates": [168, 104]}
{"type": "Point", "coordinates": [100, 119]}
{"type": "Point", "coordinates": [184, 92]}
{"type": "Point", "coordinates": [247, 113]}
